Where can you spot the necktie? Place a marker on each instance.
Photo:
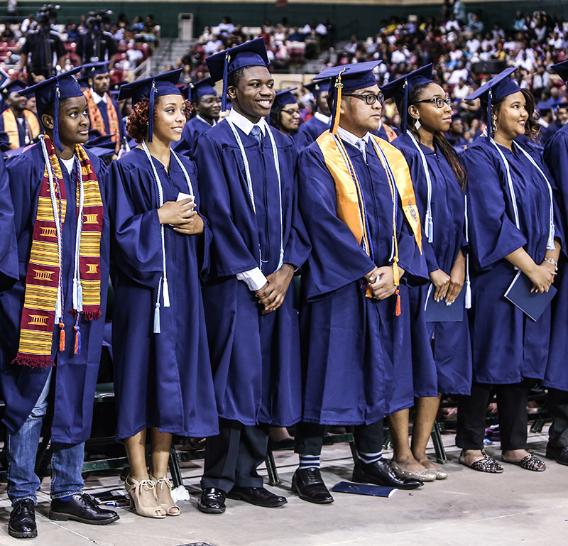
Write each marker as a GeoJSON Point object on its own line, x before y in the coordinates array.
{"type": "Point", "coordinates": [256, 133]}
{"type": "Point", "coordinates": [362, 148]}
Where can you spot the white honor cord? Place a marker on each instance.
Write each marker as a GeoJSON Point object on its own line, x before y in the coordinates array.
{"type": "Point", "coordinates": [509, 184]}
{"type": "Point", "coordinates": [467, 277]}
{"type": "Point", "coordinates": [428, 222]}
{"type": "Point", "coordinates": [164, 278]}
{"type": "Point", "coordinates": [550, 242]}
{"type": "Point", "coordinates": [249, 181]}
{"type": "Point", "coordinates": [77, 288]}
{"type": "Point", "coordinates": [59, 302]}
{"type": "Point", "coordinates": [184, 171]}
{"type": "Point", "coordinates": [394, 196]}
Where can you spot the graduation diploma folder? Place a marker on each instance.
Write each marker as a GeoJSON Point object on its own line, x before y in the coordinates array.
{"type": "Point", "coordinates": [439, 311]}
{"type": "Point", "coordinates": [532, 305]}
{"type": "Point", "coordinates": [364, 489]}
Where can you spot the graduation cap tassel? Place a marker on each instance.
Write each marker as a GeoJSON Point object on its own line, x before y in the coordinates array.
{"type": "Point", "coordinates": [56, 140]}
{"type": "Point", "coordinates": [151, 106]}
{"type": "Point", "coordinates": [336, 114]}
{"type": "Point", "coordinates": [404, 113]}
{"type": "Point", "coordinates": [225, 82]}
{"type": "Point", "coordinates": [489, 121]}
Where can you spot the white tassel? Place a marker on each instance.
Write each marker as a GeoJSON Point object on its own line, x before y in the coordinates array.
{"type": "Point", "coordinates": [77, 295]}
{"type": "Point", "coordinates": [467, 284]}
{"type": "Point", "coordinates": [429, 227]}
{"type": "Point", "coordinates": [166, 292]}
{"type": "Point", "coordinates": [157, 319]}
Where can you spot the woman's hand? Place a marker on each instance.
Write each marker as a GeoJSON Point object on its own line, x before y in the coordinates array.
{"type": "Point", "coordinates": [383, 287]}
{"type": "Point", "coordinates": [441, 281]}
{"type": "Point", "coordinates": [542, 276]}
{"type": "Point", "coordinates": [176, 213]}
{"type": "Point", "coordinates": [193, 226]}
{"type": "Point", "coordinates": [457, 279]}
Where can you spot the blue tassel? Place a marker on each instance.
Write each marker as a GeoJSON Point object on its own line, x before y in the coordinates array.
{"type": "Point", "coordinates": [404, 113]}
{"type": "Point", "coordinates": [225, 82]}
{"type": "Point", "coordinates": [488, 121]}
{"type": "Point", "coordinates": [56, 140]}
{"type": "Point", "coordinates": [151, 111]}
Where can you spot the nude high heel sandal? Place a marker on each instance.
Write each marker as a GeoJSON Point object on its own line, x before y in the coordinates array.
{"type": "Point", "coordinates": [164, 496]}
{"type": "Point", "coordinates": [143, 498]}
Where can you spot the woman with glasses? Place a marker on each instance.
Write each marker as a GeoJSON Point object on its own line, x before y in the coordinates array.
{"type": "Point", "coordinates": [513, 235]}
{"type": "Point", "coordinates": [285, 113]}
{"type": "Point", "coordinates": [441, 349]}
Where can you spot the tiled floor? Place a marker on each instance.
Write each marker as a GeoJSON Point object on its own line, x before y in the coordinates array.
{"type": "Point", "coordinates": [468, 508]}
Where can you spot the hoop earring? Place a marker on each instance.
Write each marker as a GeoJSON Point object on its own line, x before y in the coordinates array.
{"type": "Point", "coordinates": [417, 124]}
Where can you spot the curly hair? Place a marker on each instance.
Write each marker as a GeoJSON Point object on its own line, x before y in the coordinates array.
{"type": "Point", "coordinates": [137, 123]}
{"type": "Point", "coordinates": [532, 126]}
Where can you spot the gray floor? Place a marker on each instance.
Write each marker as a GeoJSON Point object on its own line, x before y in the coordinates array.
{"type": "Point", "coordinates": [468, 508]}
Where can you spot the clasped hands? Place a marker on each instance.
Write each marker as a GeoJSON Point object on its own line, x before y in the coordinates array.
{"type": "Point", "coordinates": [182, 216]}
{"type": "Point", "coordinates": [271, 296]}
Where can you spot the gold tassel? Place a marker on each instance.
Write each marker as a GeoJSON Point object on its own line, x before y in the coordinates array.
{"type": "Point", "coordinates": [339, 87]}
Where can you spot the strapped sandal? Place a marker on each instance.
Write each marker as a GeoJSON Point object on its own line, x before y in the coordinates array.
{"type": "Point", "coordinates": [487, 464]}
{"type": "Point", "coordinates": [530, 462]}
{"type": "Point", "coordinates": [164, 496]}
{"type": "Point", "coordinates": [143, 498]}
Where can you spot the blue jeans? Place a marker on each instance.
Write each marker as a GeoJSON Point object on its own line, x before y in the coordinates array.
{"type": "Point", "coordinates": [66, 463]}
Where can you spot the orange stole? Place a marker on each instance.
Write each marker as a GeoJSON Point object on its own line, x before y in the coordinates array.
{"type": "Point", "coordinates": [97, 121]}
{"type": "Point", "coordinates": [11, 127]}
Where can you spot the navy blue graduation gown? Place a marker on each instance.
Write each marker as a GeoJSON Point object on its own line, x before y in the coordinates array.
{"type": "Point", "coordinates": [75, 375]}
{"type": "Point", "coordinates": [309, 131]}
{"type": "Point", "coordinates": [8, 247]}
{"type": "Point", "coordinates": [442, 351]}
{"type": "Point", "coordinates": [161, 380]}
{"type": "Point", "coordinates": [556, 157]}
{"type": "Point", "coordinates": [506, 345]}
{"type": "Point", "coordinates": [192, 130]}
{"type": "Point", "coordinates": [357, 353]}
{"type": "Point", "coordinates": [255, 358]}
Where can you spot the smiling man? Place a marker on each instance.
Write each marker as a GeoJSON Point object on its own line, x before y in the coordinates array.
{"type": "Point", "coordinates": [52, 319]}
{"type": "Point", "coordinates": [357, 200]}
{"type": "Point", "coordinates": [247, 178]}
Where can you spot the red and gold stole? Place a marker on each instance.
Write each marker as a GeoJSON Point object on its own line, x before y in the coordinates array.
{"type": "Point", "coordinates": [350, 204]}
{"type": "Point", "coordinates": [43, 298]}
{"type": "Point", "coordinates": [97, 121]}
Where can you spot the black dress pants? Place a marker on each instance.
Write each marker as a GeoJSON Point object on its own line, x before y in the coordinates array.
{"type": "Point", "coordinates": [233, 457]}
{"type": "Point", "coordinates": [309, 438]}
{"type": "Point", "coordinates": [513, 419]}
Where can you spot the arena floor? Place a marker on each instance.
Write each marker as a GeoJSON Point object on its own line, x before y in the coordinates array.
{"type": "Point", "coordinates": [469, 508]}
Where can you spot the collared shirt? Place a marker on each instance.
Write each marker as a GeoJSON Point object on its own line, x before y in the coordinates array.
{"type": "Point", "coordinates": [254, 278]}
{"type": "Point", "coordinates": [359, 143]}
{"type": "Point", "coordinates": [322, 118]}
{"type": "Point", "coordinates": [98, 98]}
{"type": "Point", "coordinates": [205, 121]}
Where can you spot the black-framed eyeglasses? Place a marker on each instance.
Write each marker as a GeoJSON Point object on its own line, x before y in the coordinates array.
{"type": "Point", "coordinates": [438, 102]}
{"type": "Point", "coordinates": [369, 98]}
{"type": "Point", "coordinates": [291, 112]}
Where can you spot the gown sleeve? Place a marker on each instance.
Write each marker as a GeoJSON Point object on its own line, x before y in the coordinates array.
{"type": "Point", "coordinates": [492, 233]}
{"type": "Point", "coordinates": [8, 246]}
{"type": "Point", "coordinates": [336, 259]}
{"type": "Point", "coordinates": [138, 248]}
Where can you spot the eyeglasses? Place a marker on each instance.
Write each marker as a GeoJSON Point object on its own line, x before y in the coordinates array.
{"type": "Point", "coordinates": [438, 102]}
{"type": "Point", "coordinates": [291, 112]}
{"type": "Point", "coordinates": [369, 98]}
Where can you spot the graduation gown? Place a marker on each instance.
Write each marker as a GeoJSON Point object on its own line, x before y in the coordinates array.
{"type": "Point", "coordinates": [192, 130]}
{"type": "Point", "coordinates": [357, 354]}
{"type": "Point", "coordinates": [255, 358]}
{"type": "Point", "coordinates": [556, 157]}
{"type": "Point", "coordinates": [442, 352]}
{"type": "Point", "coordinates": [161, 380]}
{"type": "Point", "coordinates": [75, 376]}
{"type": "Point", "coordinates": [309, 131]}
{"type": "Point", "coordinates": [507, 346]}
{"type": "Point", "coordinates": [8, 247]}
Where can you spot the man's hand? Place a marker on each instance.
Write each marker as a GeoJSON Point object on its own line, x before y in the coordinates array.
{"type": "Point", "coordinates": [271, 295]}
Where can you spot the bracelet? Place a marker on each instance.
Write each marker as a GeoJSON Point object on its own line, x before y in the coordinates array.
{"type": "Point", "coordinates": [551, 261]}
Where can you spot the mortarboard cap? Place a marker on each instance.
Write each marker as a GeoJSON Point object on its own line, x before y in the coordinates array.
{"type": "Point", "coordinates": [494, 91]}
{"type": "Point", "coordinates": [50, 92]}
{"type": "Point", "coordinates": [150, 88]}
{"type": "Point", "coordinates": [15, 86]}
{"type": "Point", "coordinates": [201, 88]}
{"type": "Point", "coordinates": [401, 88]}
{"type": "Point", "coordinates": [285, 96]}
{"type": "Point", "coordinates": [318, 86]}
{"type": "Point", "coordinates": [348, 77]}
{"type": "Point", "coordinates": [224, 63]}
{"type": "Point", "coordinates": [94, 69]}
{"type": "Point", "coordinates": [561, 69]}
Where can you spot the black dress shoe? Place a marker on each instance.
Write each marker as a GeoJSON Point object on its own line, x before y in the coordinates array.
{"type": "Point", "coordinates": [380, 473]}
{"type": "Point", "coordinates": [82, 508]}
{"type": "Point", "coordinates": [22, 520]}
{"type": "Point", "coordinates": [307, 482]}
{"type": "Point", "coordinates": [259, 496]}
{"type": "Point", "coordinates": [559, 454]}
{"type": "Point", "coordinates": [212, 501]}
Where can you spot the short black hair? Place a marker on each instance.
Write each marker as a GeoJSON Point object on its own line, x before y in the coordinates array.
{"type": "Point", "coordinates": [235, 77]}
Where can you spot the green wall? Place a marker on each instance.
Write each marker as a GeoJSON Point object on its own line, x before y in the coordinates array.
{"type": "Point", "coordinates": [361, 19]}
